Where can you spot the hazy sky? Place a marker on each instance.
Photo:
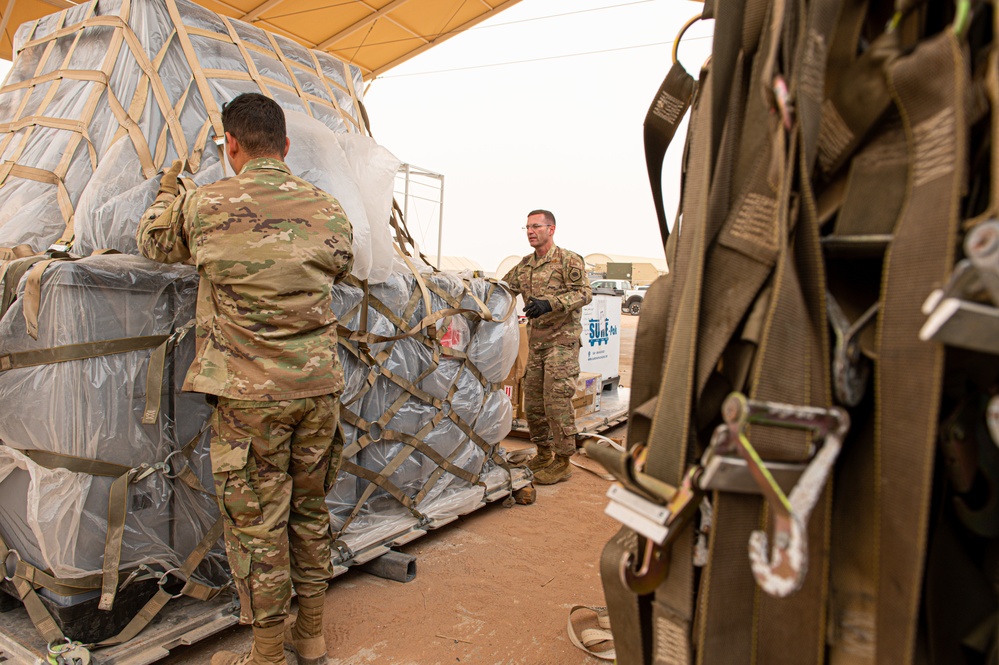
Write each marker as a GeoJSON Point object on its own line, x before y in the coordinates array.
{"type": "Point", "coordinates": [540, 107]}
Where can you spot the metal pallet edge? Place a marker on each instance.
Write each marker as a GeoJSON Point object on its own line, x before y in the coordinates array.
{"type": "Point", "coordinates": [181, 623]}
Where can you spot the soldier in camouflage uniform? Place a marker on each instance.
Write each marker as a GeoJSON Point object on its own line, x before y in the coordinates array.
{"type": "Point", "coordinates": [553, 283]}
{"type": "Point", "coordinates": [268, 247]}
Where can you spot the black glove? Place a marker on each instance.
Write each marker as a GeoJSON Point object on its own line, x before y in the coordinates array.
{"type": "Point", "coordinates": [536, 307]}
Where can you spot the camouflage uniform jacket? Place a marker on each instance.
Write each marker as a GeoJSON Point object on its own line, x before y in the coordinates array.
{"type": "Point", "coordinates": [560, 278]}
{"type": "Point", "coordinates": [268, 247]}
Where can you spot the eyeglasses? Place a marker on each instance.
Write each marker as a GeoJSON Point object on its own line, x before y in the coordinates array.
{"type": "Point", "coordinates": [534, 227]}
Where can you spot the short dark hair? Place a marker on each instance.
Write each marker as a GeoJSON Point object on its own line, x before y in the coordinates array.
{"type": "Point", "coordinates": [257, 122]}
{"type": "Point", "coordinates": [549, 217]}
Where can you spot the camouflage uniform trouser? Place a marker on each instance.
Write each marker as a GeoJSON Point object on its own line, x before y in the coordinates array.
{"type": "Point", "coordinates": [274, 463]}
{"type": "Point", "coordinates": [549, 384]}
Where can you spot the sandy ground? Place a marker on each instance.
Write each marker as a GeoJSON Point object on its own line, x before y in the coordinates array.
{"type": "Point", "coordinates": [494, 587]}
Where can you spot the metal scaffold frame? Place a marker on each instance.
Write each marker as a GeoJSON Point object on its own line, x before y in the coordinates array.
{"type": "Point", "coordinates": [414, 180]}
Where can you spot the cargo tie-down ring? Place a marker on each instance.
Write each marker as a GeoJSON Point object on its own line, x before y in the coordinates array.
{"type": "Point", "coordinates": [7, 575]}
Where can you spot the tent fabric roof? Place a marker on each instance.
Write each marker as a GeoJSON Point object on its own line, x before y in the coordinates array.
{"type": "Point", "coordinates": [458, 263]}
{"type": "Point", "coordinates": [375, 35]}
{"type": "Point", "coordinates": [504, 266]}
{"type": "Point", "coordinates": [599, 258]}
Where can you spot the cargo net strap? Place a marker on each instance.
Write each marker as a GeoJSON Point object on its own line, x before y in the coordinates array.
{"type": "Point", "coordinates": [433, 331]}
{"type": "Point", "coordinates": [50, 78]}
{"type": "Point", "coordinates": [405, 243]}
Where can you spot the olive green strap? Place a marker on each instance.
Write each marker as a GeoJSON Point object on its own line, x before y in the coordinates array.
{"type": "Point", "coordinates": [82, 351]}
{"type": "Point", "coordinates": [91, 467]}
{"type": "Point", "coordinates": [661, 122]}
{"type": "Point", "coordinates": [162, 597]}
{"type": "Point", "coordinates": [928, 86]}
{"type": "Point", "coordinates": [154, 374]}
{"type": "Point", "coordinates": [11, 275]}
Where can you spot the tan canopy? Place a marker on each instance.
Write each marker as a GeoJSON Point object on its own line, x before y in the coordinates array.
{"type": "Point", "coordinates": [375, 35]}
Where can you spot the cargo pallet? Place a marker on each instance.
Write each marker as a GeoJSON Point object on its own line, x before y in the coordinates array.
{"type": "Point", "coordinates": [185, 621]}
{"type": "Point", "coordinates": [613, 412]}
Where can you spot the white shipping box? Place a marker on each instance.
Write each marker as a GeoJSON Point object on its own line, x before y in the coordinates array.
{"type": "Point", "coordinates": [600, 351]}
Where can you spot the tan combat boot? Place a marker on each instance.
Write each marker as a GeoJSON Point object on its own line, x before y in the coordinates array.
{"type": "Point", "coordinates": [268, 649]}
{"type": "Point", "coordinates": [544, 457]}
{"type": "Point", "coordinates": [305, 637]}
{"type": "Point", "coordinates": [555, 472]}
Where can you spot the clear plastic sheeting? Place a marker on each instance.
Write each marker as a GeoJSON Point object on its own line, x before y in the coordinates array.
{"type": "Point", "coordinates": [80, 165]}
{"type": "Point", "coordinates": [92, 409]}
{"type": "Point", "coordinates": [316, 156]}
{"type": "Point", "coordinates": [108, 212]}
{"type": "Point", "coordinates": [502, 333]}
{"type": "Point", "coordinates": [374, 170]}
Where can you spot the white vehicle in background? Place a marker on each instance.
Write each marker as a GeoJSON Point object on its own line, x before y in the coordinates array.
{"type": "Point", "coordinates": [631, 298]}
{"type": "Point", "coordinates": [631, 301]}
{"type": "Point", "coordinates": [618, 286]}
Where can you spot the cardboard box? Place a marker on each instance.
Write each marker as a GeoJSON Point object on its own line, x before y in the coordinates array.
{"type": "Point", "coordinates": [513, 384]}
{"type": "Point", "coordinates": [585, 401]}
{"type": "Point", "coordinates": [515, 391]}
{"type": "Point", "coordinates": [587, 397]}
{"type": "Point", "coordinates": [583, 405]}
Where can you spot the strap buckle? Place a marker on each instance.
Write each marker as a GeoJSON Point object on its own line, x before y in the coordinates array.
{"type": "Point", "coordinates": [782, 572]}
{"type": "Point", "coordinates": [658, 524]}
{"type": "Point", "coordinates": [143, 572]}
{"type": "Point", "coordinates": [731, 464]}
{"type": "Point", "coordinates": [965, 312]}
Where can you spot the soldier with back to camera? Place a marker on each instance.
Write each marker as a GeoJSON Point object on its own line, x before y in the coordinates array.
{"type": "Point", "coordinates": [268, 247]}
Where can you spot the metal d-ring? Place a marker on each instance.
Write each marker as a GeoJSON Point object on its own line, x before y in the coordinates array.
{"type": "Point", "coordinates": [679, 36]}
{"type": "Point", "coordinates": [6, 566]}
{"type": "Point", "coordinates": [161, 582]}
{"type": "Point", "coordinates": [55, 649]}
{"type": "Point", "coordinates": [168, 474]}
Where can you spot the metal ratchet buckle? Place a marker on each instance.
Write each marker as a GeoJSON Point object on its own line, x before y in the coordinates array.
{"type": "Point", "coordinates": [731, 464]}
{"type": "Point", "coordinates": [965, 312]}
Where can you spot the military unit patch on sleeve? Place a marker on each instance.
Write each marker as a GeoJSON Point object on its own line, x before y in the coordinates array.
{"type": "Point", "coordinates": [575, 275]}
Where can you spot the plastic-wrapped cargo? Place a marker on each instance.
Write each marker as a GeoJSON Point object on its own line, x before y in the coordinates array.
{"type": "Point", "coordinates": [105, 486]}
{"type": "Point", "coordinates": [90, 122]}
{"type": "Point", "coordinates": [422, 416]}
{"type": "Point", "coordinates": [58, 515]}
